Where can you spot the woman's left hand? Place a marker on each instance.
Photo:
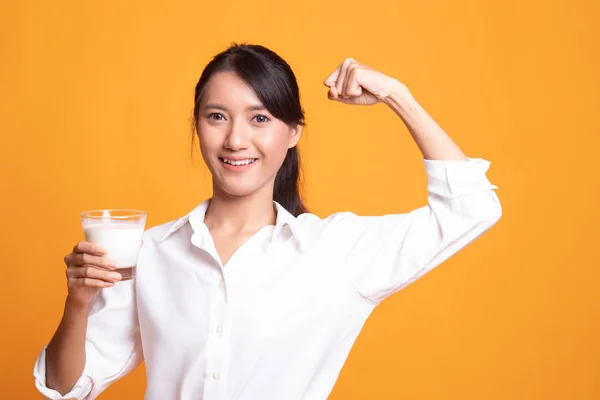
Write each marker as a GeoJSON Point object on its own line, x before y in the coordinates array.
{"type": "Point", "coordinates": [354, 83]}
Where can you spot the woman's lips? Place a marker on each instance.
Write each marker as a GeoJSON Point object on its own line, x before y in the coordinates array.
{"type": "Point", "coordinates": [238, 168]}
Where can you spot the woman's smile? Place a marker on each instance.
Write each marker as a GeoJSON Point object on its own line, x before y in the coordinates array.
{"type": "Point", "coordinates": [238, 165]}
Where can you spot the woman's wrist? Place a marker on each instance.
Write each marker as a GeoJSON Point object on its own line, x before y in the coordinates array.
{"type": "Point", "coordinates": [400, 100]}
{"type": "Point", "coordinates": [76, 308]}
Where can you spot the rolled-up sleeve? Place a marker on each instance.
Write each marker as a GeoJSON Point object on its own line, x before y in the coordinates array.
{"type": "Point", "coordinates": [387, 253]}
{"type": "Point", "coordinates": [112, 348]}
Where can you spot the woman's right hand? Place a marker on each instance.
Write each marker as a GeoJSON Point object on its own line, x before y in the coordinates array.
{"type": "Point", "coordinates": [88, 271]}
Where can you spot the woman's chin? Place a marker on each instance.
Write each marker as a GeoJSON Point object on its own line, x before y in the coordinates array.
{"type": "Point", "coordinates": [237, 190]}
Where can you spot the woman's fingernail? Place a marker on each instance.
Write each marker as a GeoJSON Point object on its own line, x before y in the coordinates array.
{"type": "Point", "coordinates": [116, 276]}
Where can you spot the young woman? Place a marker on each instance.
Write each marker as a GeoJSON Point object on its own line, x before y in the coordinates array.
{"type": "Point", "coordinates": [249, 296]}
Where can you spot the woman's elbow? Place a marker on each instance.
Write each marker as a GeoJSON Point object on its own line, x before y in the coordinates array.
{"type": "Point", "coordinates": [491, 212]}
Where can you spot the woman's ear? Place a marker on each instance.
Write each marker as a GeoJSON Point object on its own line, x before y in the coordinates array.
{"type": "Point", "coordinates": [295, 133]}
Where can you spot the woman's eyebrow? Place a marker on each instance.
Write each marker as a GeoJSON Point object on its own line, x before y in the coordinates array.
{"type": "Point", "coordinates": [216, 106]}
{"type": "Point", "coordinates": [257, 107]}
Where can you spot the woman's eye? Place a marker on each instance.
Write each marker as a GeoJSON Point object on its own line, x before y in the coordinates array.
{"type": "Point", "coordinates": [261, 119]}
{"type": "Point", "coordinates": [216, 116]}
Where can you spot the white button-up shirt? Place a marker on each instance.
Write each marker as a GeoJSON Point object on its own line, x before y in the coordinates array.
{"type": "Point", "coordinates": [278, 321]}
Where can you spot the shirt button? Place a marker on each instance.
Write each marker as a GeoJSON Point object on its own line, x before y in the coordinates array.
{"type": "Point", "coordinates": [222, 285]}
{"type": "Point", "coordinates": [215, 376]}
{"type": "Point", "coordinates": [220, 330]}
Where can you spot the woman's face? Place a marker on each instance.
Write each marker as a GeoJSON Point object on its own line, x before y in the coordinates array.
{"type": "Point", "coordinates": [242, 144]}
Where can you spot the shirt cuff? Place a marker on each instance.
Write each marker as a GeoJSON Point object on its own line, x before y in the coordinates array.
{"type": "Point", "coordinates": [80, 390]}
{"type": "Point", "coordinates": [457, 178]}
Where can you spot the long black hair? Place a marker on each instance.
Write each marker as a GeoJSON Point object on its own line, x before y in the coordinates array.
{"type": "Point", "coordinates": [275, 85]}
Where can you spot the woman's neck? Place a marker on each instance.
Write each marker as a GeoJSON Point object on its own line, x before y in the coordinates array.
{"type": "Point", "coordinates": [245, 214]}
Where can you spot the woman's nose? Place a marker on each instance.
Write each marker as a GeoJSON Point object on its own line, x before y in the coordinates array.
{"type": "Point", "coordinates": [238, 137]}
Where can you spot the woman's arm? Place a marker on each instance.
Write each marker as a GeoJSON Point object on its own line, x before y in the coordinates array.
{"type": "Point", "coordinates": [93, 347]}
{"type": "Point", "coordinates": [65, 354]}
{"type": "Point", "coordinates": [384, 254]}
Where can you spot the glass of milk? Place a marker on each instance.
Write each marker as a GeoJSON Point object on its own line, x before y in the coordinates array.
{"type": "Point", "coordinates": [118, 231]}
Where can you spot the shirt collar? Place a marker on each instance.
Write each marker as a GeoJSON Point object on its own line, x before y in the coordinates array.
{"type": "Point", "coordinates": [198, 216]}
{"type": "Point", "coordinates": [284, 218]}
{"type": "Point", "coordinates": [196, 220]}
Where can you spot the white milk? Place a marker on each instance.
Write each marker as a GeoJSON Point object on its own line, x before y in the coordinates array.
{"type": "Point", "coordinates": [121, 239]}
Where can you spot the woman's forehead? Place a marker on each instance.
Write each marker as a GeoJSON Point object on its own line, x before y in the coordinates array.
{"type": "Point", "coordinates": [228, 89]}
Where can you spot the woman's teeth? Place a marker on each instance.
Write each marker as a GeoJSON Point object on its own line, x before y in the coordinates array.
{"type": "Point", "coordinates": [240, 162]}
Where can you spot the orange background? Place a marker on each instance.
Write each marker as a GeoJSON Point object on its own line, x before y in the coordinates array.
{"type": "Point", "coordinates": [96, 98]}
